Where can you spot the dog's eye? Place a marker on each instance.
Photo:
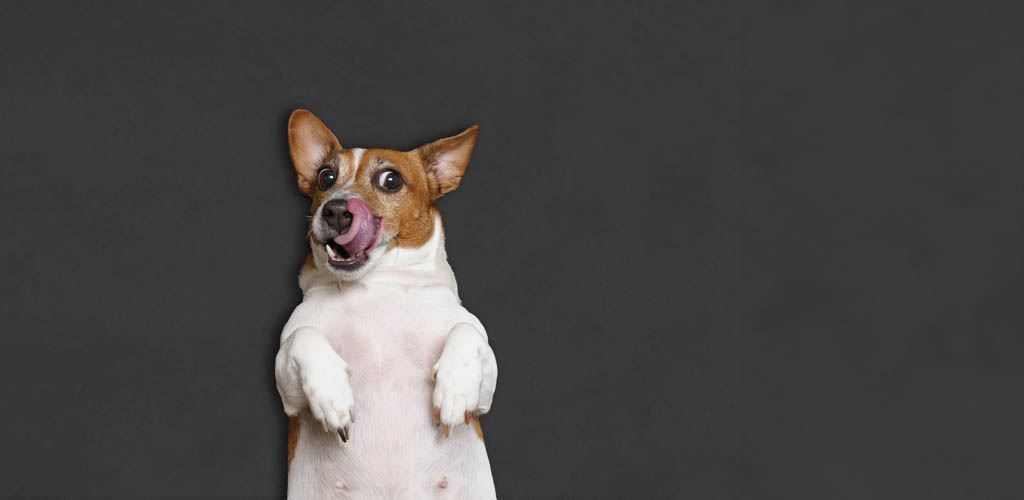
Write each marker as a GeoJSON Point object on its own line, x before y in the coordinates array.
{"type": "Point", "coordinates": [326, 177]}
{"type": "Point", "coordinates": [389, 181]}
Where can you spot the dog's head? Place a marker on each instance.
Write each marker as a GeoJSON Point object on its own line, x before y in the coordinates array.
{"type": "Point", "coordinates": [365, 201]}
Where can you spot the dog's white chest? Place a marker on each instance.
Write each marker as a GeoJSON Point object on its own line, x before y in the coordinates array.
{"type": "Point", "coordinates": [391, 337]}
{"type": "Point", "coordinates": [391, 334]}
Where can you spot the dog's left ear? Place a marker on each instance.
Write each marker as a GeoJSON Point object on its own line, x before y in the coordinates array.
{"type": "Point", "coordinates": [311, 143]}
{"type": "Point", "coordinates": [446, 159]}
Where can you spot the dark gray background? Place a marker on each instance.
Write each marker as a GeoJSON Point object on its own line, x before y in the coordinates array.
{"type": "Point", "coordinates": [723, 250]}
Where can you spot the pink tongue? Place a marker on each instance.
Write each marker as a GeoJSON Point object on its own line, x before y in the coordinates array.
{"type": "Point", "coordinates": [360, 234]}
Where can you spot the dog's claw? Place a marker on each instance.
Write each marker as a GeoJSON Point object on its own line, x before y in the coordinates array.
{"type": "Point", "coordinates": [343, 432]}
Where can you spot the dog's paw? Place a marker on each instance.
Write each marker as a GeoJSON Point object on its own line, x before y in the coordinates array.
{"type": "Point", "coordinates": [330, 397]}
{"type": "Point", "coordinates": [461, 390]}
{"type": "Point", "coordinates": [457, 390]}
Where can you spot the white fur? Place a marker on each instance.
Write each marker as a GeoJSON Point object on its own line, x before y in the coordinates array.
{"type": "Point", "coordinates": [349, 175]}
{"type": "Point", "coordinates": [369, 348]}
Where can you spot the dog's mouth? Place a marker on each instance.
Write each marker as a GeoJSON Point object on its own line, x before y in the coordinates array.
{"type": "Point", "coordinates": [351, 249]}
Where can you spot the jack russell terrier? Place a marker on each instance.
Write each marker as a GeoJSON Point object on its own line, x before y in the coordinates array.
{"type": "Point", "coordinates": [383, 372]}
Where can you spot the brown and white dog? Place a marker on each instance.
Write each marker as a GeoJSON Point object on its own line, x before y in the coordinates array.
{"type": "Point", "coordinates": [383, 372]}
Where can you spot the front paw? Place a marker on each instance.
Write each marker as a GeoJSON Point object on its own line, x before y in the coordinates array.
{"type": "Point", "coordinates": [457, 390]}
{"type": "Point", "coordinates": [463, 382]}
{"type": "Point", "coordinates": [330, 397]}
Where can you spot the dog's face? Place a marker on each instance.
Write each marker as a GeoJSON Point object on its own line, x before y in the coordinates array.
{"type": "Point", "coordinates": [366, 201]}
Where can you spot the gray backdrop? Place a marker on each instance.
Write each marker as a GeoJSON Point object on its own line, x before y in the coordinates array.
{"type": "Point", "coordinates": [723, 250]}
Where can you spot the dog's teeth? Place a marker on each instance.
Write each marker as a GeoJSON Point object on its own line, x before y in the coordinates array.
{"type": "Point", "coordinates": [330, 252]}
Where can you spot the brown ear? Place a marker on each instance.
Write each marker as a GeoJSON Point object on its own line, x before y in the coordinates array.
{"type": "Point", "coordinates": [446, 160]}
{"type": "Point", "coordinates": [311, 143]}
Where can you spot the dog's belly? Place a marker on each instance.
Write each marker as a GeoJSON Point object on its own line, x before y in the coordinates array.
{"type": "Point", "coordinates": [395, 450]}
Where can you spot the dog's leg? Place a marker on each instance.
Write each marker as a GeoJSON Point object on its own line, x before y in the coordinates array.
{"type": "Point", "coordinates": [311, 375]}
{"type": "Point", "coordinates": [465, 377]}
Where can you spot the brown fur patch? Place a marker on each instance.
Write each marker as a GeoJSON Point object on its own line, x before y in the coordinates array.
{"type": "Point", "coordinates": [408, 213]}
{"type": "Point", "coordinates": [293, 437]}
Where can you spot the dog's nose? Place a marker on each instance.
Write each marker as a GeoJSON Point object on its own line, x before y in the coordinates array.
{"type": "Point", "coordinates": [336, 215]}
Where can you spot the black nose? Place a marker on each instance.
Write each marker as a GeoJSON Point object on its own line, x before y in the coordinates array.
{"type": "Point", "coordinates": [336, 215]}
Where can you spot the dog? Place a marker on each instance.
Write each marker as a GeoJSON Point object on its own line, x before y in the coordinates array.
{"type": "Point", "coordinates": [382, 371]}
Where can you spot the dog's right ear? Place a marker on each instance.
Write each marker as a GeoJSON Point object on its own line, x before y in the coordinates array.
{"type": "Point", "coordinates": [311, 143]}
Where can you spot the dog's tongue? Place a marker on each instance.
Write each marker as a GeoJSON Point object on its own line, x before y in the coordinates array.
{"type": "Point", "coordinates": [360, 234]}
